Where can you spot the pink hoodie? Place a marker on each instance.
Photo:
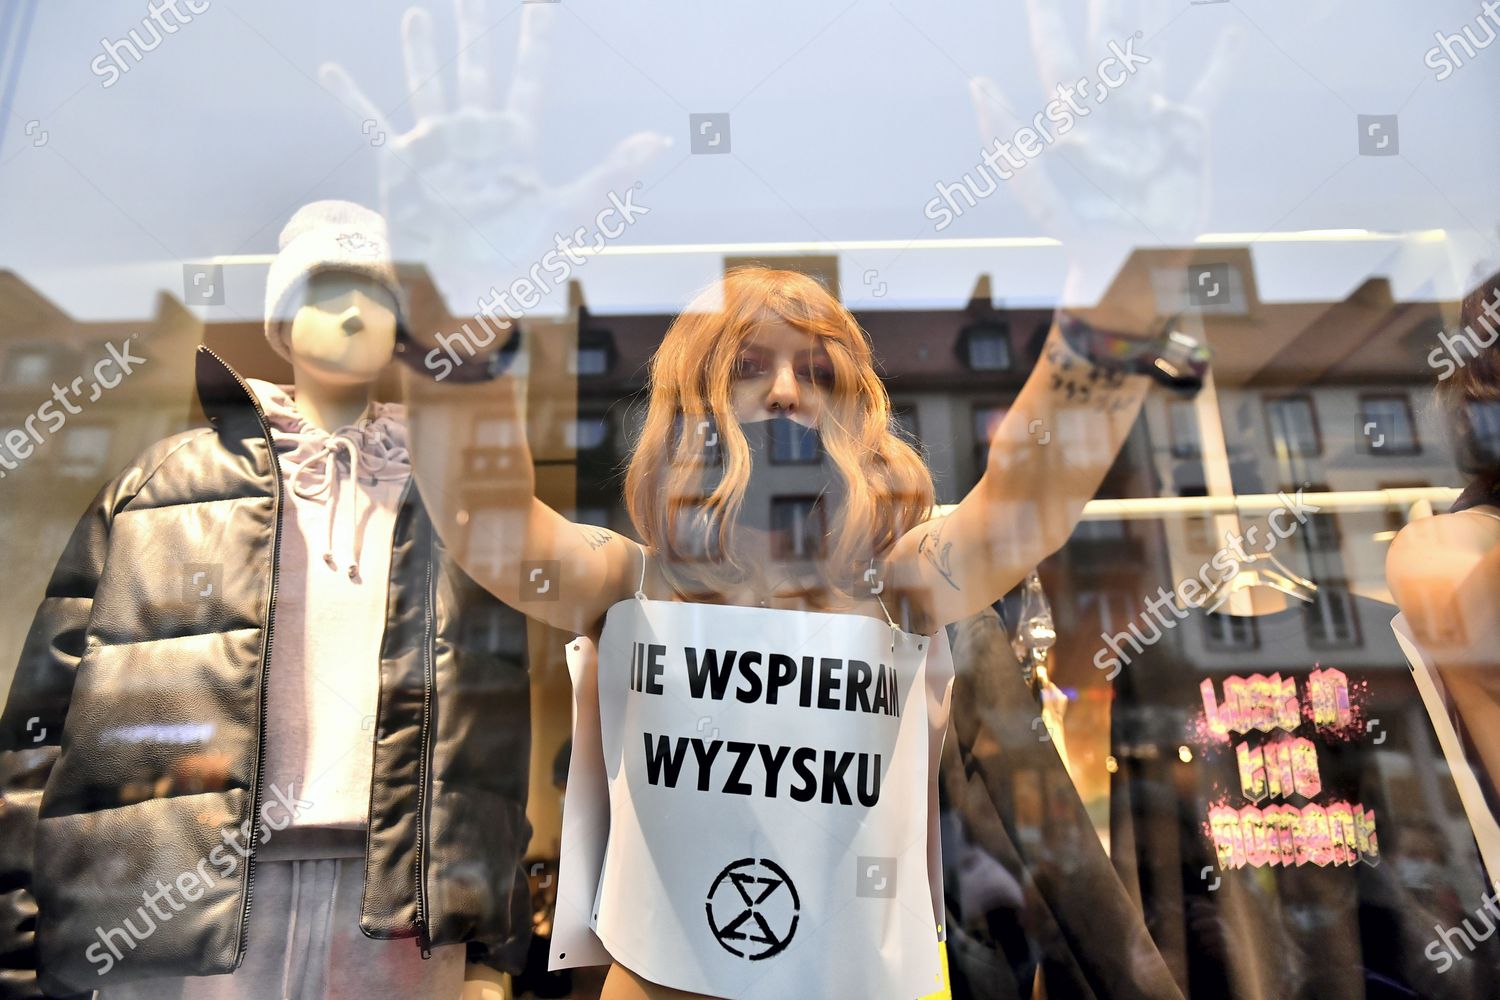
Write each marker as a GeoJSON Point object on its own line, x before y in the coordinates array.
{"type": "Point", "coordinates": [339, 508]}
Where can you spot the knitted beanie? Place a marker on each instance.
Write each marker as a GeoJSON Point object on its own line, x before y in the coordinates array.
{"type": "Point", "coordinates": [325, 236]}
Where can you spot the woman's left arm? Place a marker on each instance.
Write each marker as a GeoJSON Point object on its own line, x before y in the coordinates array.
{"type": "Point", "coordinates": [1046, 460]}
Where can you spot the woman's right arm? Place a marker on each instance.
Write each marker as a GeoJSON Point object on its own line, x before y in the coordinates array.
{"type": "Point", "coordinates": [473, 468]}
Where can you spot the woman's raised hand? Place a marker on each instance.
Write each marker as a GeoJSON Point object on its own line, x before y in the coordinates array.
{"type": "Point", "coordinates": [461, 189]}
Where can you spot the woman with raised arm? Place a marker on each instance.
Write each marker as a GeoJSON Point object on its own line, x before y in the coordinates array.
{"type": "Point", "coordinates": [765, 721]}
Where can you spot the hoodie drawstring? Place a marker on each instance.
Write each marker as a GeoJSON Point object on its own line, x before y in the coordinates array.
{"type": "Point", "coordinates": [328, 455]}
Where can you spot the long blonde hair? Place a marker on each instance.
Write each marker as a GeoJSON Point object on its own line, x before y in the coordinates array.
{"type": "Point", "coordinates": [887, 487]}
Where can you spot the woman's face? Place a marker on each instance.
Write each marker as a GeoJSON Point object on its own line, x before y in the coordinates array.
{"type": "Point", "coordinates": [781, 371]}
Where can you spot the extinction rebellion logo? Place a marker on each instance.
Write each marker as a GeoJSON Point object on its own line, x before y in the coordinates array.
{"type": "Point", "coordinates": [753, 908]}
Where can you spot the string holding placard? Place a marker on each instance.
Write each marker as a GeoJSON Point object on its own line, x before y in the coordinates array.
{"type": "Point", "coordinates": [871, 576]}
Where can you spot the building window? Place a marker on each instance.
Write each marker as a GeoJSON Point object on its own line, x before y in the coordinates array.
{"type": "Point", "coordinates": [1099, 530]}
{"type": "Point", "coordinates": [1395, 517]}
{"type": "Point", "coordinates": [590, 361]}
{"type": "Point", "coordinates": [904, 416]}
{"type": "Point", "coordinates": [491, 457]}
{"type": "Point", "coordinates": [986, 421]}
{"type": "Point", "coordinates": [85, 451]}
{"type": "Point", "coordinates": [487, 465]}
{"type": "Point", "coordinates": [1484, 419]}
{"type": "Point", "coordinates": [1386, 425]}
{"type": "Point", "coordinates": [29, 366]}
{"type": "Point", "coordinates": [1230, 633]}
{"type": "Point", "coordinates": [799, 527]}
{"type": "Point", "coordinates": [1294, 427]}
{"type": "Point", "coordinates": [1116, 608]}
{"type": "Point", "coordinates": [1331, 619]}
{"type": "Point", "coordinates": [696, 442]}
{"type": "Point", "coordinates": [1322, 540]}
{"type": "Point", "coordinates": [595, 354]}
{"type": "Point", "coordinates": [495, 433]}
{"type": "Point", "coordinates": [690, 538]}
{"type": "Point", "coordinates": [1321, 532]}
{"type": "Point", "coordinates": [793, 444]}
{"type": "Point", "coordinates": [587, 432]}
{"type": "Point", "coordinates": [1182, 418]}
{"type": "Point", "coordinates": [484, 542]}
{"type": "Point", "coordinates": [1199, 532]}
{"type": "Point", "coordinates": [985, 347]}
{"type": "Point", "coordinates": [599, 516]}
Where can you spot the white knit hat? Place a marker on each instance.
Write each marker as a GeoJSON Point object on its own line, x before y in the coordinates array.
{"type": "Point", "coordinates": [325, 236]}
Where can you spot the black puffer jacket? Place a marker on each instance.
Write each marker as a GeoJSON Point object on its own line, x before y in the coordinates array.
{"type": "Point", "coordinates": [90, 821]}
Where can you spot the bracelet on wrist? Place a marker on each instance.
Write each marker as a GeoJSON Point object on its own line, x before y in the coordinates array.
{"type": "Point", "coordinates": [1172, 358]}
{"type": "Point", "coordinates": [476, 367]}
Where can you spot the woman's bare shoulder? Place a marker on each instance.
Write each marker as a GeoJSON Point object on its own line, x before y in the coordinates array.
{"type": "Point", "coordinates": [1477, 528]}
{"type": "Point", "coordinates": [1444, 546]}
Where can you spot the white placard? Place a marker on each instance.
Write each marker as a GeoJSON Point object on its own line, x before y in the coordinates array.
{"type": "Point", "coordinates": [755, 816]}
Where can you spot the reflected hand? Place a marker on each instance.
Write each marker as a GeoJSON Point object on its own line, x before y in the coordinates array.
{"type": "Point", "coordinates": [461, 190]}
{"type": "Point", "coordinates": [1132, 169]}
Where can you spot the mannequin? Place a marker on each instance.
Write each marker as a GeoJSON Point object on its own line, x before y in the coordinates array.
{"type": "Point", "coordinates": [342, 338]}
{"type": "Point", "coordinates": [294, 844]}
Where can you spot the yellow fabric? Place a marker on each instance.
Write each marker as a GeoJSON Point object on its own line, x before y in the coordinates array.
{"type": "Point", "coordinates": [946, 993]}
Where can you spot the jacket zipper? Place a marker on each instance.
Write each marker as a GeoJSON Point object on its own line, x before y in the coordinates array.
{"type": "Point", "coordinates": [380, 704]}
{"type": "Point", "coordinates": [424, 933]}
{"type": "Point", "coordinates": [265, 662]}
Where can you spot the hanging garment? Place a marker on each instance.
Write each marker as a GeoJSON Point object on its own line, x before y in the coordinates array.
{"type": "Point", "coordinates": [752, 802]}
{"type": "Point", "coordinates": [1031, 892]}
{"type": "Point", "coordinates": [1281, 809]}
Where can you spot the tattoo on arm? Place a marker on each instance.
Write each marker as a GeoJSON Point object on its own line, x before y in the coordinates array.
{"type": "Point", "coordinates": [1084, 382]}
{"type": "Point", "coordinates": [596, 537]}
{"type": "Point", "coordinates": [939, 553]}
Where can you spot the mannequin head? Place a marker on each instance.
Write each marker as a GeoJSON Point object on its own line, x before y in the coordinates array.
{"type": "Point", "coordinates": [344, 330]}
{"type": "Point", "coordinates": [764, 343]}
{"type": "Point", "coordinates": [333, 302]}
